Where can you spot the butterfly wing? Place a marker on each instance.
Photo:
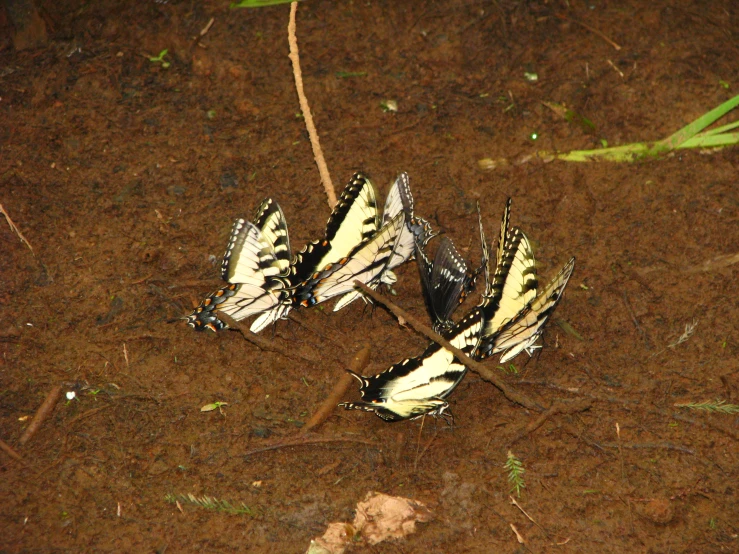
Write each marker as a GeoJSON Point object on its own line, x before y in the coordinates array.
{"type": "Point", "coordinates": [354, 220]}
{"type": "Point", "coordinates": [503, 237]}
{"type": "Point", "coordinates": [522, 332]}
{"type": "Point", "coordinates": [416, 228]}
{"type": "Point", "coordinates": [271, 221]}
{"type": "Point", "coordinates": [365, 263]}
{"type": "Point", "coordinates": [514, 284]}
{"type": "Point", "coordinates": [418, 386]}
{"type": "Point", "coordinates": [445, 283]}
{"type": "Point", "coordinates": [248, 265]}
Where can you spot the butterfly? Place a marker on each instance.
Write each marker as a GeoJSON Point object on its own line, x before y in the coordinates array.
{"type": "Point", "coordinates": [447, 281]}
{"type": "Point", "coordinates": [353, 221]}
{"type": "Point", "coordinates": [416, 228]}
{"type": "Point", "coordinates": [515, 313]}
{"type": "Point", "coordinates": [365, 263]}
{"type": "Point", "coordinates": [256, 266]}
{"type": "Point", "coordinates": [418, 386]}
{"type": "Point", "coordinates": [521, 331]}
{"type": "Point", "coordinates": [399, 199]}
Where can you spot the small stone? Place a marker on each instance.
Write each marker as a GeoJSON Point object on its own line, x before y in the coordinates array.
{"type": "Point", "coordinates": [261, 432]}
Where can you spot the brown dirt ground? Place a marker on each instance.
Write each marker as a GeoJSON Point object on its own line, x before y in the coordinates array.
{"type": "Point", "coordinates": [125, 177]}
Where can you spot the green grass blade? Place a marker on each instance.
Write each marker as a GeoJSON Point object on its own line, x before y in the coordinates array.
{"type": "Point", "coordinates": [711, 141]}
{"type": "Point", "coordinates": [692, 129]}
{"type": "Point", "coordinates": [722, 129]}
{"type": "Point", "coordinates": [626, 153]}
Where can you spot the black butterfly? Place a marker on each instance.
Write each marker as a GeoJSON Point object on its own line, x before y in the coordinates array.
{"type": "Point", "coordinates": [447, 281]}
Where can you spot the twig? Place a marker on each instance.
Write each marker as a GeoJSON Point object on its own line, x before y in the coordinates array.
{"type": "Point", "coordinates": [425, 448]}
{"type": "Point", "coordinates": [41, 414]}
{"type": "Point", "coordinates": [531, 519]}
{"type": "Point", "coordinates": [616, 69]}
{"type": "Point", "coordinates": [647, 446]}
{"type": "Point", "coordinates": [300, 319]}
{"type": "Point", "coordinates": [592, 30]}
{"type": "Point", "coordinates": [708, 423]}
{"type": "Point", "coordinates": [86, 414]}
{"type": "Point", "coordinates": [9, 451]}
{"type": "Point", "coordinates": [620, 451]}
{"type": "Point", "coordinates": [632, 313]}
{"type": "Point", "coordinates": [267, 345]}
{"type": "Point", "coordinates": [521, 540]}
{"type": "Point", "coordinates": [305, 108]}
{"type": "Point", "coordinates": [15, 229]}
{"type": "Point", "coordinates": [207, 27]}
{"type": "Point", "coordinates": [487, 374]}
{"type": "Point", "coordinates": [558, 407]}
{"type": "Point", "coordinates": [302, 440]}
{"type": "Point", "coordinates": [716, 263]}
{"type": "Point", "coordinates": [358, 363]}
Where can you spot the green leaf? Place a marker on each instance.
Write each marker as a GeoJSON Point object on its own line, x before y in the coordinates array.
{"type": "Point", "coordinates": [346, 74]}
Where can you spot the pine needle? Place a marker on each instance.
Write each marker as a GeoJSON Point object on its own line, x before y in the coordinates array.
{"type": "Point", "coordinates": [717, 406]}
{"type": "Point", "coordinates": [210, 503]}
{"type": "Point", "coordinates": [515, 470]}
{"type": "Point", "coordinates": [689, 330]}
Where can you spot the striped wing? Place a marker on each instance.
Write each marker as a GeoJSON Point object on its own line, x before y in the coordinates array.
{"type": "Point", "coordinates": [416, 228]}
{"type": "Point", "coordinates": [443, 282]}
{"type": "Point", "coordinates": [255, 282]}
{"type": "Point", "coordinates": [514, 284]}
{"type": "Point", "coordinates": [522, 332]}
{"type": "Point", "coordinates": [353, 221]}
{"type": "Point", "coordinates": [271, 221]}
{"type": "Point", "coordinates": [418, 386]}
{"type": "Point", "coordinates": [503, 237]}
{"type": "Point", "coordinates": [365, 263]}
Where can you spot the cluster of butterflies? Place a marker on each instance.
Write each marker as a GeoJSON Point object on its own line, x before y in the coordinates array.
{"type": "Point", "coordinates": [265, 280]}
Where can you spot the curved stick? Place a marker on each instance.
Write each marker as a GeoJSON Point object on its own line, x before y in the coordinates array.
{"type": "Point", "coordinates": [41, 414]}
{"type": "Point", "coordinates": [359, 362]}
{"type": "Point", "coordinates": [305, 108]}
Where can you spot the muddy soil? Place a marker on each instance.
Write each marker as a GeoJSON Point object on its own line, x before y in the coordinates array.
{"type": "Point", "coordinates": [125, 175]}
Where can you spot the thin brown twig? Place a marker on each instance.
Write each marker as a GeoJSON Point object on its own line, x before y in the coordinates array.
{"type": "Point", "coordinates": [558, 407]}
{"type": "Point", "coordinates": [358, 363]}
{"type": "Point", "coordinates": [5, 447]}
{"type": "Point", "coordinates": [15, 229]}
{"type": "Point", "coordinates": [648, 446]}
{"type": "Point", "coordinates": [305, 108]}
{"type": "Point", "coordinates": [302, 440]}
{"type": "Point", "coordinates": [531, 519]}
{"type": "Point", "coordinates": [708, 423]}
{"type": "Point", "coordinates": [301, 320]}
{"type": "Point", "coordinates": [87, 414]}
{"type": "Point", "coordinates": [41, 414]}
{"type": "Point", "coordinates": [267, 345]}
{"type": "Point", "coordinates": [487, 374]}
{"type": "Point", "coordinates": [591, 29]}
